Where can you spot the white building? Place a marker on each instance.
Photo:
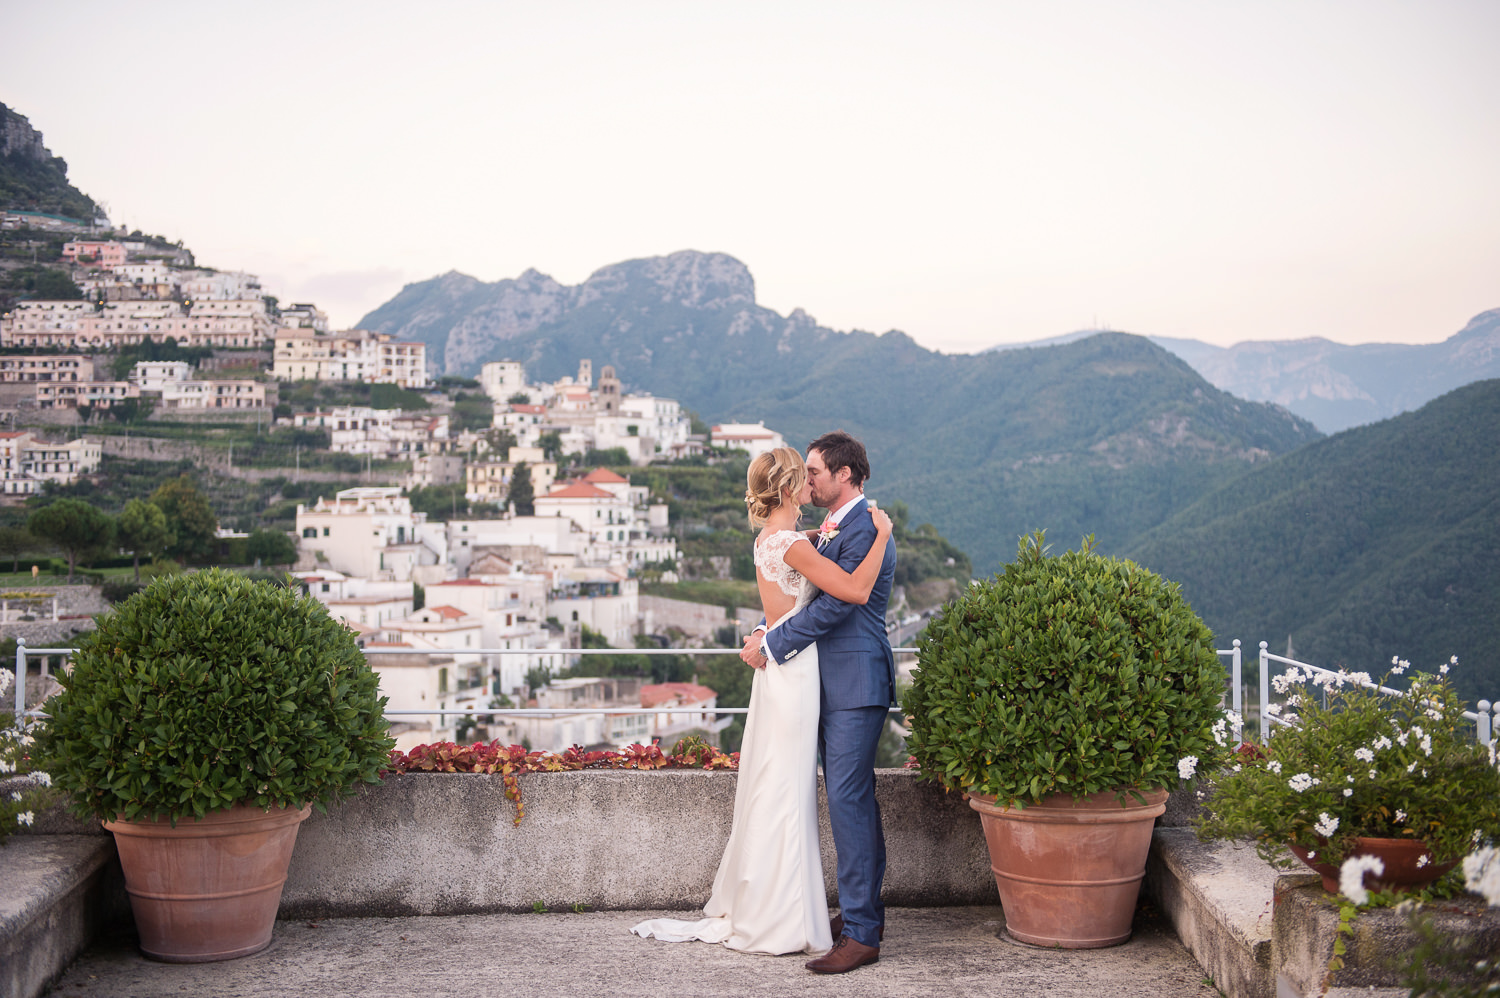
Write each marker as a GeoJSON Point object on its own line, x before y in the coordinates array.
{"type": "Point", "coordinates": [304, 354]}
{"type": "Point", "coordinates": [373, 533]}
{"type": "Point", "coordinates": [26, 462]}
{"type": "Point", "coordinates": [391, 433]}
{"type": "Point", "coordinates": [753, 438]}
{"type": "Point", "coordinates": [501, 379]}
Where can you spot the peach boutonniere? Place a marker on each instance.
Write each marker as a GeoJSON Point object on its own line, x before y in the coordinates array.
{"type": "Point", "coordinates": [828, 531]}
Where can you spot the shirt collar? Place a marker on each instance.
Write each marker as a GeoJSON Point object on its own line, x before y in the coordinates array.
{"type": "Point", "coordinates": [848, 507]}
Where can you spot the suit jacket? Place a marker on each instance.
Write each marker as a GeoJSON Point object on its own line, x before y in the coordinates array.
{"type": "Point", "coordinates": [854, 653]}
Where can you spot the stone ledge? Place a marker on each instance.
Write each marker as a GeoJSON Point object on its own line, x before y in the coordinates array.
{"type": "Point", "coordinates": [1306, 920]}
{"type": "Point", "coordinates": [57, 893]}
{"type": "Point", "coordinates": [1218, 896]}
{"type": "Point", "coordinates": [1261, 933]}
{"type": "Point", "coordinates": [444, 844]}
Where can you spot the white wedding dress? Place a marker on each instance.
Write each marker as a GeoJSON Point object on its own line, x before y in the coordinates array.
{"type": "Point", "coordinates": [768, 896]}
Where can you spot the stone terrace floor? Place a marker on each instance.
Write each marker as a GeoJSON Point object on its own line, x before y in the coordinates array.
{"type": "Point", "coordinates": [928, 951]}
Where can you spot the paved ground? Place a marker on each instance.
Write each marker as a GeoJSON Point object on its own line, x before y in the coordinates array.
{"type": "Point", "coordinates": [928, 951]}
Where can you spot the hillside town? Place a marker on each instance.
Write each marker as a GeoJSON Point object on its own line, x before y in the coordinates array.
{"type": "Point", "coordinates": [456, 616]}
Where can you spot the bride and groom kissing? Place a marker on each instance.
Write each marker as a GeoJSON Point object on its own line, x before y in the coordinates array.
{"type": "Point", "coordinates": [824, 682]}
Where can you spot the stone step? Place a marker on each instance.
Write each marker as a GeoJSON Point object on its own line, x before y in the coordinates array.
{"type": "Point", "coordinates": [56, 894]}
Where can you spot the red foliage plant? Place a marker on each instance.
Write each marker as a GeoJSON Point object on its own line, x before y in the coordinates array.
{"type": "Point", "coordinates": [510, 761]}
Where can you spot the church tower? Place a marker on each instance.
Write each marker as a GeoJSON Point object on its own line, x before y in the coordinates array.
{"type": "Point", "coordinates": [586, 373]}
{"type": "Point", "coordinates": [609, 391]}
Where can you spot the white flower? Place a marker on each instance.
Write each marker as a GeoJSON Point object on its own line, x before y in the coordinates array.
{"type": "Point", "coordinates": [1412, 766]}
{"type": "Point", "coordinates": [1352, 877]}
{"type": "Point", "coordinates": [1364, 755]}
{"type": "Point", "coordinates": [1427, 744]}
{"type": "Point", "coordinates": [1274, 766]}
{"type": "Point", "coordinates": [1422, 860]}
{"type": "Point", "coordinates": [1373, 774]}
{"type": "Point", "coordinates": [1400, 817]}
{"type": "Point", "coordinates": [1399, 665]}
{"type": "Point", "coordinates": [24, 817]}
{"type": "Point", "coordinates": [1348, 792]}
{"type": "Point", "coordinates": [1273, 709]}
{"type": "Point", "coordinates": [1482, 874]}
{"type": "Point", "coordinates": [1362, 678]}
{"type": "Point", "coordinates": [1218, 731]}
{"type": "Point", "coordinates": [1237, 767]}
{"type": "Point", "coordinates": [1187, 766]}
{"type": "Point", "coordinates": [1434, 713]}
{"type": "Point", "coordinates": [1311, 854]}
{"type": "Point", "coordinates": [45, 779]}
{"type": "Point", "coordinates": [15, 795]}
{"type": "Point", "coordinates": [5, 766]}
{"type": "Point", "coordinates": [1326, 825]}
{"type": "Point", "coordinates": [1301, 782]}
{"type": "Point", "coordinates": [1443, 669]}
{"type": "Point", "coordinates": [1348, 779]}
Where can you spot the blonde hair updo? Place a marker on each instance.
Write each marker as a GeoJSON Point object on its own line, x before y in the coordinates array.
{"type": "Point", "coordinates": [772, 474]}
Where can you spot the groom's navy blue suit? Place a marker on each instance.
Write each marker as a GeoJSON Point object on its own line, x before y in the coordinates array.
{"type": "Point", "coordinates": [858, 677]}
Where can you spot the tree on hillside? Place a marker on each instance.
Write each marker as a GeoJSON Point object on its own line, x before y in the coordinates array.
{"type": "Point", "coordinates": [271, 547]}
{"type": "Point", "coordinates": [15, 541]}
{"type": "Point", "coordinates": [551, 445]}
{"type": "Point", "coordinates": [74, 527]}
{"type": "Point", "coordinates": [440, 502]}
{"type": "Point", "coordinates": [189, 517]}
{"type": "Point", "coordinates": [142, 529]}
{"type": "Point", "coordinates": [522, 494]}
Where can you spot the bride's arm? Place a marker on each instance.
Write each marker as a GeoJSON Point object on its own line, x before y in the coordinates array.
{"type": "Point", "coordinates": [851, 587]}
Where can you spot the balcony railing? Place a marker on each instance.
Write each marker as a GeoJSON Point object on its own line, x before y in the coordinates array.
{"type": "Point", "coordinates": [1486, 716]}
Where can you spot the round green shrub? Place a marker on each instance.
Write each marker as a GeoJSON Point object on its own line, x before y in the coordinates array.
{"type": "Point", "coordinates": [1074, 674]}
{"type": "Point", "coordinates": [208, 690]}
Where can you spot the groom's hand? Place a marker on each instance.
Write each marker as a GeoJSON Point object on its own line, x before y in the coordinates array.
{"type": "Point", "coordinates": [750, 654]}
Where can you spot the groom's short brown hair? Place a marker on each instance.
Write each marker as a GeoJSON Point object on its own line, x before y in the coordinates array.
{"type": "Point", "coordinates": [840, 450]}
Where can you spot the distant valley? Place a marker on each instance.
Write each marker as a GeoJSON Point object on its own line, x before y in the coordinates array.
{"type": "Point", "coordinates": [1335, 386]}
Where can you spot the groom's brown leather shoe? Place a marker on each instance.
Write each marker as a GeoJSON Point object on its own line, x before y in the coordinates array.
{"type": "Point", "coordinates": [844, 957]}
{"type": "Point", "coordinates": [836, 928]}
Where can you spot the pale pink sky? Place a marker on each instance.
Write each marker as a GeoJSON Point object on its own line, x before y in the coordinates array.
{"type": "Point", "coordinates": [971, 173]}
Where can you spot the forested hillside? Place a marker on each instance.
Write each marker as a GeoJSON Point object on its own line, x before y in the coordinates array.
{"type": "Point", "coordinates": [1108, 435]}
{"type": "Point", "coordinates": [31, 178]}
{"type": "Point", "coordinates": [1383, 540]}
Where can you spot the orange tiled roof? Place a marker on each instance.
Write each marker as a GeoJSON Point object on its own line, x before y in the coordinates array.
{"type": "Point", "coordinates": [578, 490]}
{"type": "Point", "coordinates": [605, 475]}
{"type": "Point", "coordinates": [658, 694]}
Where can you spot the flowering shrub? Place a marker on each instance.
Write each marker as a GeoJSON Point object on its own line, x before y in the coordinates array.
{"type": "Point", "coordinates": [510, 761]}
{"type": "Point", "coordinates": [1367, 764]}
{"type": "Point", "coordinates": [20, 797]}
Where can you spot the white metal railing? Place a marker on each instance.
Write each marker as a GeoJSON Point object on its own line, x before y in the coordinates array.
{"type": "Point", "coordinates": [23, 653]}
{"type": "Point", "coordinates": [1486, 717]}
{"type": "Point", "coordinates": [1485, 724]}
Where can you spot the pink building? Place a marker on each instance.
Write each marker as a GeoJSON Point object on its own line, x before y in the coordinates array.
{"type": "Point", "coordinates": [104, 254]}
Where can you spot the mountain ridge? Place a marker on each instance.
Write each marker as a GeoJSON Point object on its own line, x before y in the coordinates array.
{"type": "Point", "coordinates": [1006, 425]}
{"type": "Point", "coordinates": [1337, 386]}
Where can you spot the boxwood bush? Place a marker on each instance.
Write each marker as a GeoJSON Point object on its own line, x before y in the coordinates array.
{"type": "Point", "coordinates": [207, 690]}
{"type": "Point", "coordinates": [1073, 674]}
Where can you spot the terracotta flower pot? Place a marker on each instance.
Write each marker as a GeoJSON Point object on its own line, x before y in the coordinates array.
{"type": "Point", "coordinates": [209, 888]}
{"type": "Point", "coordinates": [1400, 857]}
{"type": "Point", "coordinates": [1069, 869]}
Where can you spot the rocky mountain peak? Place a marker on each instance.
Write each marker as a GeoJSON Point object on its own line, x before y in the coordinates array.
{"type": "Point", "coordinates": [688, 277]}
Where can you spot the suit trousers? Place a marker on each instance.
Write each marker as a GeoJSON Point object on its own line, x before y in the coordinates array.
{"type": "Point", "coordinates": [847, 740]}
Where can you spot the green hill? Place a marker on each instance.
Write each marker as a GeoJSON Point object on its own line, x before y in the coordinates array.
{"type": "Point", "coordinates": [31, 178]}
{"type": "Point", "coordinates": [1108, 435]}
{"type": "Point", "coordinates": [1383, 540]}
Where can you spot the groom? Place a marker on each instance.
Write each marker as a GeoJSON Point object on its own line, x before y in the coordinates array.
{"type": "Point", "coordinates": [858, 679]}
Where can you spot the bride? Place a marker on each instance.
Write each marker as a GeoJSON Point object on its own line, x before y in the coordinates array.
{"type": "Point", "coordinates": [768, 896]}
